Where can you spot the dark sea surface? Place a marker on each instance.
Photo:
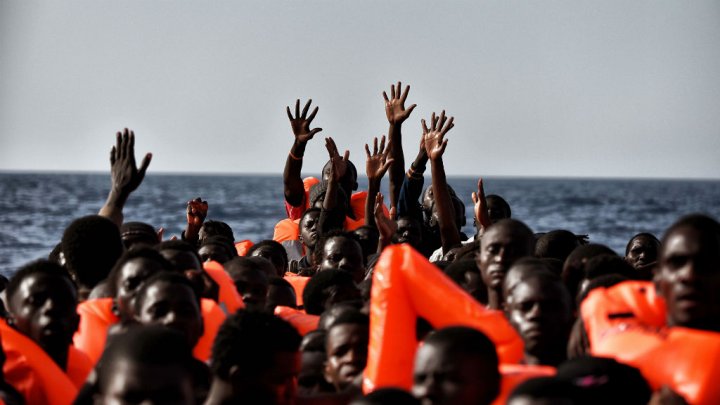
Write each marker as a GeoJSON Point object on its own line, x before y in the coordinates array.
{"type": "Point", "coordinates": [36, 208]}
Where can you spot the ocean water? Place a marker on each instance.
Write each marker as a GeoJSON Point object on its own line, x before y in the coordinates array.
{"type": "Point", "coordinates": [36, 208]}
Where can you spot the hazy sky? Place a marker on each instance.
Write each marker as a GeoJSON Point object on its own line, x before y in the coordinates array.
{"type": "Point", "coordinates": [544, 88]}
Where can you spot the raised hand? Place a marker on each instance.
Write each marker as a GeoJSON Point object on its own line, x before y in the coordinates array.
{"type": "Point", "coordinates": [434, 136]}
{"type": "Point", "coordinates": [197, 210]}
{"type": "Point", "coordinates": [339, 163]}
{"type": "Point", "coordinates": [482, 218]}
{"type": "Point", "coordinates": [386, 226]}
{"type": "Point", "coordinates": [395, 105]}
{"type": "Point", "coordinates": [378, 162]}
{"type": "Point", "coordinates": [126, 176]}
{"type": "Point", "coordinates": [301, 122]}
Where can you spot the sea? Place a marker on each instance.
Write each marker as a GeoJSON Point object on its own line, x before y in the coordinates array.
{"type": "Point", "coordinates": [35, 208]}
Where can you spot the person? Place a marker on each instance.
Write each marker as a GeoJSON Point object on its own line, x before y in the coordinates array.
{"type": "Point", "coordinates": [642, 253]}
{"type": "Point", "coordinates": [503, 243]}
{"type": "Point", "coordinates": [573, 270]}
{"type": "Point", "coordinates": [556, 244]}
{"type": "Point", "coordinates": [308, 237]}
{"type": "Point", "coordinates": [251, 281]}
{"type": "Point", "coordinates": [185, 259]}
{"type": "Point", "coordinates": [545, 391]}
{"type": "Point", "coordinates": [280, 293]}
{"type": "Point", "coordinates": [255, 359]}
{"type": "Point", "coordinates": [346, 346]}
{"type": "Point", "coordinates": [539, 307]}
{"type": "Point", "coordinates": [216, 248]}
{"type": "Point", "coordinates": [377, 164]}
{"type": "Point", "coordinates": [311, 379]}
{"type": "Point", "coordinates": [456, 365]}
{"type": "Point", "coordinates": [138, 233]}
{"type": "Point", "coordinates": [328, 288]}
{"type": "Point", "coordinates": [340, 251]}
{"type": "Point", "coordinates": [148, 364]}
{"type": "Point", "coordinates": [42, 305]}
{"type": "Point", "coordinates": [272, 251]}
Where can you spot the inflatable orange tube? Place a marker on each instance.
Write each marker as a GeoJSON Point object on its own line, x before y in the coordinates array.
{"type": "Point", "coordinates": [229, 299]}
{"type": "Point", "coordinates": [32, 372]}
{"type": "Point", "coordinates": [298, 283]}
{"type": "Point", "coordinates": [96, 316]}
{"type": "Point", "coordinates": [79, 367]}
{"type": "Point", "coordinates": [303, 322]}
{"type": "Point", "coordinates": [405, 286]}
{"type": "Point", "coordinates": [514, 374]}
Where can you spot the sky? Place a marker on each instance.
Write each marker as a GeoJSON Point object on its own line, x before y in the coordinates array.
{"type": "Point", "coordinates": [537, 88]}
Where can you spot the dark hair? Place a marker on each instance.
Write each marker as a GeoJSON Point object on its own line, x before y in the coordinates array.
{"type": "Point", "coordinates": [706, 225]}
{"type": "Point", "coordinates": [608, 264]}
{"type": "Point", "coordinates": [164, 277]}
{"type": "Point", "coordinates": [133, 233]}
{"type": "Point", "coordinates": [388, 396]}
{"type": "Point", "coordinates": [604, 281]}
{"type": "Point", "coordinates": [335, 233]}
{"type": "Point", "coordinates": [311, 210]}
{"type": "Point", "coordinates": [549, 388]}
{"type": "Point", "coordinates": [504, 204]}
{"type": "Point", "coordinates": [222, 241]}
{"type": "Point", "coordinates": [574, 267]}
{"type": "Point", "coordinates": [37, 267]}
{"type": "Point", "coordinates": [605, 381]}
{"type": "Point", "coordinates": [350, 317]}
{"type": "Point", "coordinates": [318, 289]}
{"type": "Point", "coordinates": [238, 264]}
{"type": "Point", "coordinates": [218, 228]}
{"type": "Point", "coordinates": [641, 235]}
{"type": "Point", "coordinates": [91, 246]}
{"type": "Point", "coordinates": [557, 244]}
{"type": "Point", "coordinates": [139, 252]}
{"type": "Point", "coordinates": [276, 249]}
{"type": "Point", "coordinates": [249, 339]}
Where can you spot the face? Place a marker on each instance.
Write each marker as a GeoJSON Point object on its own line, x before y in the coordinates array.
{"type": "Point", "coordinates": [688, 278]}
{"type": "Point", "coordinates": [131, 383]}
{"type": "Point", "coordinates": [642, 251]}
{"type": "Point", "coordinates": [340, 253]}
{"type": "Point", "coordinates": [442, 378]}
{"type": "Point", "coordinates": [346, 348]}
{"type": "Point", "coordinates": [308, 229]}
{"type": "Point", "coordinates": [132, 276]}
{"type": "Point", "coordinates": [408, 232]}
{"type": "Point", "coordinates": [540, 312]}
{"type": "Point", "coordinates": [428, 207]}
{"type": "Point", "coordinates": [252, 285]}
{"type": "Point", "coordinates": [174, 306]}
{"type": "Point", "coordinates": [348, 182]}
{"type": "Point", "coordinates": [213, 252]}
{"type": "Point", "coordinates": [268, 253]}
{"type": "Point", "coordinates": [44, 309]}
{"type": "Point", "coordinates": [500, 247]}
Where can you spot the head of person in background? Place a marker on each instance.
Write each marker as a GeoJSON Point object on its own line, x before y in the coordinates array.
{"type": "Point", "coordinates": [280, 293]}
{"type": "Point", "coordinates": [42, 305]}
{"type": "Point", "coordinates": [346, 347]}
{"type": "Point", "coordinates": [539, 307]}
{"type": "Point", "coordinates": [498, 208]}
{"type": "Point", "coordinates": [216, 248]}
{"type": "Point", "coordinates": [255, 360]}
{"type": "Point", "coordinates": [169, 299]}
{"type": "Point", "coordinates": [90, 247]}
{"type": "Point", "coordinates": [146, 364]}
{"type": "Point", "coordinates": [465, 273]}
{"type": "Point", "coordinates": [545, 391]}
{"type": "Point", "coordinates": [328, 288]}
{"type": "Point", "coordinates": [308, 232]}
{"type": "Point", "coordinates": [367, 237]}
{"type": "Point", "coordinates": [430, 211]}
{"type": "Point", "coordinates": [557, 244]}
{"type": "Point", "coordinates": [642, 253]}
{"type": "Point", "coordinates": [138, 233]}
{"type": "Point", "coordinates": [348, 183]}
{"type": "Point", "coordinates": [184, 259]}
{"type": "Point", "coordinates": [573, 271]}
{"type": "Point", "coordinates": [605, 381]}
{"type": "Point", "coordinates": [311, 379]}
{"type": "Point", "coordinates": [251, 280]}
{"type": "Point", "coordinates": [409, 230]}
{"type": "Point", "coordinates": [272, 251]}
{"type": "Point", "coordinates": [501, 245]}
{"type": "Point", "coordinates": [688, 273]}
{"type": "Point", "coordinates": [215, 228]}
{"type": "Point", "coordinates": [128, 276]}
{"type": "Point", "coordinates": [603, 265]}
{"type": "Point", "coordinates": [340, 251]}
{"type": "Point", "coordinates": [456, 365]}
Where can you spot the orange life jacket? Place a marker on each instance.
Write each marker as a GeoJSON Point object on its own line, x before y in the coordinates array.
{"type": "Point", "coordinates": [298, 283]}
{"type": "Point", "coordinates": [32, 372]}
{"type": "Point", "coordinates": [303, 322]}
{"type": "Point", "coordinates": [243, 246]}
{"type": "Point", "coordinates": [229, 299]}
{"type": "Point", "coordinates": [405, 286]}
{"type": "Point", "coordinates": [213, 317]}
{"type": "Point", "coordinates": [79, 366]}
{"type": "Point", "coordinates": [96, 316]}
{"type": "Point", "coordinates": [514, 374]}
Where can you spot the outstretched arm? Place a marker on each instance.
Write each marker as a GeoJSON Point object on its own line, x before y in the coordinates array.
{"type": "Point", "coordinates": [300, 123]}
{"type": "Point", "coordinates": [435, 144]}
{"type": "Point", "coordinates": [125, 174]}
{"type": "Point", "coordinates": [197, 210]}
{"type": "Point", "coordinates": [375, 167]}
{"type": "Point", "coordinates": [396, 115]}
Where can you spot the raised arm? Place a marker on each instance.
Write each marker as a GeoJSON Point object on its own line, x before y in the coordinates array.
{"type": "Point", "coordinates": [197, 210]}
{"type": "Point", "coordinates": [125, 175]}
{"type": "Point", "coordinates": [375, 167]}
{"type": "Point", "coordinates": [386, 226]}
{"type": "Point", "coordinates": [330, 216]}
{"type": "Point", "coordinates": [300, 123]}
{"type": "Point", "coordinates": [482, 217]}
{"type": "Point", "coordinates": [435, 144]}
{"type": "Point", "coordinates": [396, 115]}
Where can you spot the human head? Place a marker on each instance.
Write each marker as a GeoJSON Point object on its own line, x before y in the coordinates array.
{"type": "Point", "coordinates": [430, 210]}
{"type": "Point", "coordinates": [346, 347]}
{"type": "Point", "coordinates": [129, 274]}
{"type": "Point", "coordinates": [272, 251]}
{"type": "Point", "coordinates": [456, 365]}
{"type": "Point", "coordinates": [327, 288]}
{"type": "Point", "coordinates": [146, 363]}
{"type": "Point", "coordinates": [170, 300]}
{"type": "Point", "coordinates": [311, 379]}
{"type": "Point", "coordinates": [545, 391]}
{"type": "Point", "coordinates": [573, 270]}
{"type": "Point", "coordinates": [502, 244]}
{"type": "Point", "coordinates": [497, 208]}
{"type": "Point", "coordinates": [217, 248]}
{"type": "Point", "coordinates": [329, 316]}
{"type": "Point", "coordinates": [603, 265]}
{"type": "Point", "coordinates": [409, 230]}
{"type": "Point", "coordinates": [91, 245]}
{"type": "Point", "coordinates": [466, 274]}
{"type": "Point", "coordinates": [280, 293]}
{"type": "Point", "coordinates": [348, 182]}
{"type": "Point", "coordinates": [250, 280]}
{"type": "Point", "coordinates": [367, 237]}
{"type": "Point", "coordinates": [340, 251]}
{"type": "Point", "coordinates": [138, 233]}
{"type": "Point", "coordinates": [642, 251]}
{"type": "Point", "coordinates": [182, 255]}
{"type": "Point", "coordinates": [257, 355]}
{"type": "Point", "coordinates": [688, 275]}
{"type": "Point", "coordinates": [215, 228]}
{"type": "Point", "coordinates": [42, 302]}
{"type": "Point", "coordinates": [557, 244]}
{"type": "Point", "coordinates": [308, 227]}
{"type": "Point", "coordinates": [539, 307]}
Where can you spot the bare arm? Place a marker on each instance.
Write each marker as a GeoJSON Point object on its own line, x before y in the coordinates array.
{"type": "Point", "coordinates": [197, 210]}
{"type": "Point", "coordinates": [329, 216]}
{"type": "Point", "coordinates": [375, 167]}
{"type": "Point", "coordinates": [125, 174]}
{"type": "Point", "coordinates": [482, 218]}
{"type": "Point", "coordinates": [435, 144]}
{"type": "Point", "coordinates": [292, 182]}
{"type": "Point", "coordinates": [396, 115]}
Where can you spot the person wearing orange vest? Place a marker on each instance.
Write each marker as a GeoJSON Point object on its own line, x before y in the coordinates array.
{"type": "Point", "coordinates": [42, 305]}
{"type": "Point", "coordinates": [660, 327]}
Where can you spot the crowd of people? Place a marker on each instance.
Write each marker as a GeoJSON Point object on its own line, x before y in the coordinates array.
{"type": "Point", "coordinates": [361, 298]}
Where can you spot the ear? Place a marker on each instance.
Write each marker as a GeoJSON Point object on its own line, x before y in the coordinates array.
{"type": "Point", "coordinates": [327, 373]}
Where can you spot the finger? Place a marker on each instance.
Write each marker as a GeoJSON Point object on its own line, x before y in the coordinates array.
{"type": "Point", "coordinates": [312, 115]}
{"type": "Point", "coordinates": [424, 127]}
{"type": "Point", "coordinates": [144, 165]}
{"type": "Point", "coordinates": [375, 146]}
{"type": "Point", "coordinates": [449, 126]}
{"type": "Point", "coordinates": [387, 164]}
{"type": "Point", "coordinates": [442, 119]}
{"type": "Point", "coordinates": [444, 145]}
{"type": "Point", "coordinates": [367, 151]}
{"type": "Point", "coordinates": [112, 156]}
{"type": "Point", "coordinates": [392, 91]}
{"type": "Point", "coordinates": [410, 109]}
{"type": "Point", "coordinates": [297, 108]}
{"type": "Point", "coordinates": [313, 132]}
{"type": "Point", "coordinates": [382, 144]}
{"type": "Point", "coordinates": [405, 94]}
{"type": "Point", "coordinates": [118, 145]}
{"type": "Point", "coordinates": [433, 121]}
{"type": "Point", "coordinates": [287, 108]}
{"type": "Point", "coordinates": [378, 199]}
{"type": "Point", "coordinates": [481, 189]}
{"type": "Point", "coordinates": [160, 233]}
{"type": "Point", "coordinates": [474, 197]}
{"type": "Point", "coordinates": [398, 89]}
{"type": "Point", "coordinates": [307, 107]}
{"type": "Point", "coordinates": [346, 156]}
{"type": "Point", "coordinates": [131, 144]}
{"type": "Point", "coordinates": [385, 97]}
